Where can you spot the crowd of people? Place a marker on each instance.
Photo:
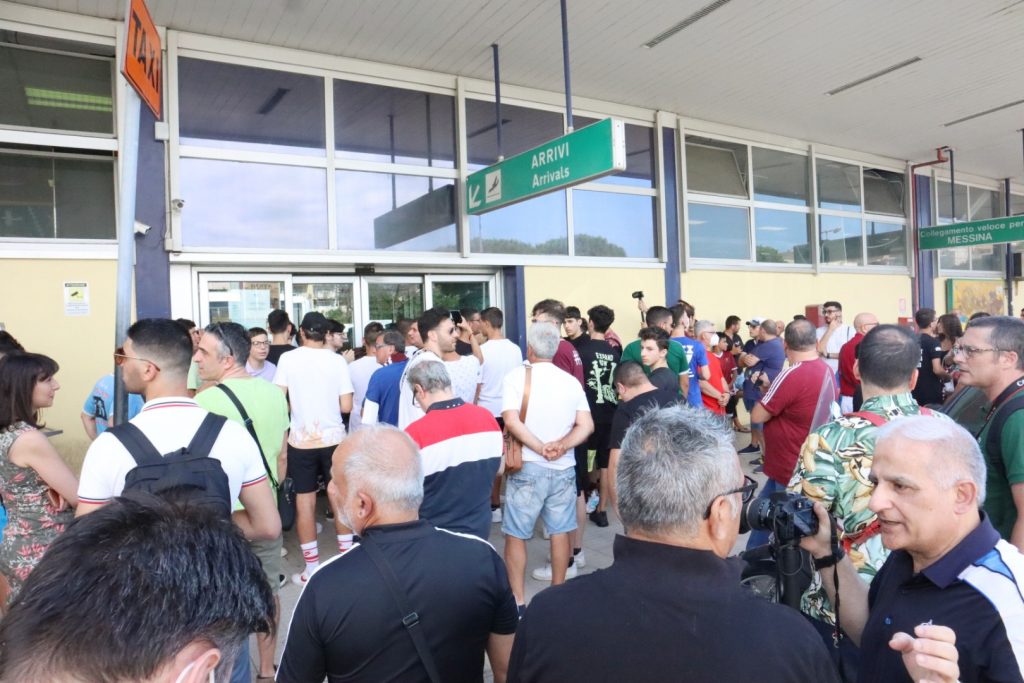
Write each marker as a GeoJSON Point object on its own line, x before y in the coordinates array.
{"type": "Point", "coordinates": [161, 558]}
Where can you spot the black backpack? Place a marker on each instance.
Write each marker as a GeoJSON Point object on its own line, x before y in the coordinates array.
{"type": "Point", "coordinates": [994, 439]}
{"type": "Point", "coordinates": [187, 472]}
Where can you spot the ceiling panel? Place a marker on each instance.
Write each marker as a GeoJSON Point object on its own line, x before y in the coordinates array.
{"type": "Point", "coordinates": [756, 64]}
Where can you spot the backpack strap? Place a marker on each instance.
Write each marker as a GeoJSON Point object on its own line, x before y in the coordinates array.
{"type": "Point", "coordinates": [876, 420]}
{"type": "Point", "coordinates": [207, 434]}
{"type": "Point", "coordinates": [135, 442]}
{"type": "Point", "coordinates": [247, 421]}
{"type": "Point", "coordinates": [994, 440]}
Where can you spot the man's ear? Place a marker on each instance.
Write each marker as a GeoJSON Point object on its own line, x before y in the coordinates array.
{"type": "Point", "coordinates": [966, 496]}
{"type": "Point", "coordinates": [722, 520]}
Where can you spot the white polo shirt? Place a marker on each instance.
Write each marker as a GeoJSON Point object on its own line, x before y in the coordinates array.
{"type": "Point", "coordinates": [169, 423]}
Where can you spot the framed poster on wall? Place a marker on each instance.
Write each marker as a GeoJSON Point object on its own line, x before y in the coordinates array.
{"type": "Point", "coordinates": [966, 297]}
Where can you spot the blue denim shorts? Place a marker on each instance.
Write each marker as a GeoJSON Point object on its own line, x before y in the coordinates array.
{"type": "Point", "coordinates": [538, 491]}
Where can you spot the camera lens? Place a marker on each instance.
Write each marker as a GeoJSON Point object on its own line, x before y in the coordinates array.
{"type": "Point", "coordinates": [756, 515]}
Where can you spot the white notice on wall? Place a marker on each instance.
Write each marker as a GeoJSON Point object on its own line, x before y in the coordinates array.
{"type": "Point", "coordinates": [76, 298]}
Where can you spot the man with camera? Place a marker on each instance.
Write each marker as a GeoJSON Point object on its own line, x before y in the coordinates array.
{"type": "Point", "coordinates": [672, 607]}
{"type": "Point", "coordinates": [949, 579]}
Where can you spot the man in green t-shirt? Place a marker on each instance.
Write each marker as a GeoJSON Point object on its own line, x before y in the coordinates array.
{"type": "Point", "coordinates": [220, 356]}
{"type": "Point", "coordinates": [991, 358]}
{"type": "Point", "coordinates": [661, 317]}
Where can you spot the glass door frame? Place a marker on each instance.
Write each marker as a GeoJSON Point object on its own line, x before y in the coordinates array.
{"type": "Point", "coordinates": [358, 316]}
{"type": "Point", "coordinates": [429, 280]}
{"type": "Point", "coordinates": [206, 277]}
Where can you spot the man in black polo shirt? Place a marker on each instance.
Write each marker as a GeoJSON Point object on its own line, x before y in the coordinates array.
{"type": "Point", "coordinates": [948, 573]}
{"type": "Point", "coordinates": [347, 624]}
{"type": "Point", "coordinates": [671, 606]}
{"type": "Point", "coordinates": [931, 374]}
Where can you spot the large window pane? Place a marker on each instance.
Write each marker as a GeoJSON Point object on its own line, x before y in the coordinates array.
{"type": "Point", "coordinates": [838, 185]}
{"type": "Point", "coordinates": [522, 129]}
{"type": "Point", "coordinates": [956, 258]}
{"type": "Point", "coordinates": [984, 204]}
{"type": "Point", "coordinates": [381, 123]}
{"type": "Point", "coordinates": [244, 205]}
{"type": "Point", "coordinates": [840, 239]}
{"type": "Point", "coordinates": [536, 226]}
{"type": "Point", "coordinates": [456, 295]}
{"type": "Point", "coordinates": [245, 107]}
{"type": "Point", "coordinates": [50, 197]}
{"type": "Point", "coordinates": [333, 299]}
{"type": "Point", "coordinates": [395, 212]}
{"type": "Point", "coordinates": [720, 232]}
{"type": "Point", "coordinates": [390, 301]}
{"type": "Point", "coordinates": [887, 244]}
{"type": "Point", "coordinates": [884, 192]}
{"type": "Point", "coordinates": [639, 155]}
{"type": "Point", "coordinates": [716, 167]}
{"type": "Point", "coordinates": [63, 92]}
{"type": "Point", "coordinates": [1016, 205]}
{"type": "Point", "coordinates": [780, 177]}
{"type": "Point", "coordinates": [943, 198]}
{"type": "Point", "coordinates": [244, 302]}
{"type": "Point", "coordinates": [611, 224]}
{"type": "Point", "coordinates": [988, 257]}
{"type": "Point", "coordinates": [782, 236]}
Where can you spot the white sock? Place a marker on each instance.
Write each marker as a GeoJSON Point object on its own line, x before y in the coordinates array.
{"type": "Point", "coordinates": [311, 554]}
{"type": "Point", "coordinates": [344, 542]}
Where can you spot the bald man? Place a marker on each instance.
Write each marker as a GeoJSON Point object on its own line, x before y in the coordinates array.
{"type": "Point", "coordinates": [848, 382]}
{"type": "Point", "coordinates": [347, 617]}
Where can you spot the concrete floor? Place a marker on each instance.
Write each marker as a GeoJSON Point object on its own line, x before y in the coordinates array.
{"type": "Point", "coordinates": [597, 545]}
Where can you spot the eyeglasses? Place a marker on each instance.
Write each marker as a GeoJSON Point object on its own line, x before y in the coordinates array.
{"type": "Point", "coordinates": [747, 490]}
{"type": "Point", "coordinates": [971, 351]}
{"type": "Point", "coordinates": [261, 344]}
{"type": "Point", "coordinates": [144, 360]}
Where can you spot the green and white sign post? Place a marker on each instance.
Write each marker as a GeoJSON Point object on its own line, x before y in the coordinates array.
{"type": "Point", "coordinates": [580, 156]}
{"type": "Point", "coordinates": [988, 231]}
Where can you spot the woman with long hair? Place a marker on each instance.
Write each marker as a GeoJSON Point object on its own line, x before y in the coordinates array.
{"type": "Point", "coordinates": [37, 486]}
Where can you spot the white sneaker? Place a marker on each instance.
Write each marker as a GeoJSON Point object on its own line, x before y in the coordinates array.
{"type": "Point", "coordinates": [284, 551]}
{"type": "Point", "coordinates": [496, 516]}
{"type": "Point", "coordinates": [544, 573]}
{"type": "Point", "coordinates": [545, 534]}
{"type": "Point", "coordinates": [319, 528]}
{"type": "Point", "coordinates": [578, 560]}
{"type": "Point", "coordinates": [300, 579]}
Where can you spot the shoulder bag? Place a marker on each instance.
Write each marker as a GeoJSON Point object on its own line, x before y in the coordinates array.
{"type": "Point", "coordinates": [286, 487]}
{"type": "Point", "coordinates": [513, 447]}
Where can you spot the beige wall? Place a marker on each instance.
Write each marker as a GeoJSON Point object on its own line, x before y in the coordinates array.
{"type": "Point", "coordinates": [717, 294]}
{"type": "Point", "coordinates": [32, 309]}
{"type": "Point", "coordinates": [586, 287]}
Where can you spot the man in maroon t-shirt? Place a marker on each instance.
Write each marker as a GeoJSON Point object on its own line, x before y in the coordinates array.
{"type": "Point", "coordinates": [799, 400]}
{"type": "Point", "coordinates": [566, 357]}
{"type": "Point", "coordinates": [848, 383]}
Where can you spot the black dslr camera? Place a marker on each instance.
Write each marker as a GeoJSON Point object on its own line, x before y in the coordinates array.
{"type": "Point", "coordinates": [638, 294]}
{"type": "Point", "coordinates": [789, 516]}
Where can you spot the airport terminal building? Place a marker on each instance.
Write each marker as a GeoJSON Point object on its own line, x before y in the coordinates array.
{"type": "Point", "coordinates": [313, 156]}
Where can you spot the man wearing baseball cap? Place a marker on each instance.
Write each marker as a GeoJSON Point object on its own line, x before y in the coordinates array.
{"type": "Point", "coordinates": [319, 389]}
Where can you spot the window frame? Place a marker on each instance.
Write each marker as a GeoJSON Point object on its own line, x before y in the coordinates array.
{"type": "Point", "coordinates": [1000, 210]}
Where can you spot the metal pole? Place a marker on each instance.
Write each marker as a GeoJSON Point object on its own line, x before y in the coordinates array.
{"type": "Point", "coordinates": [565, 67]}
{"type": "Point", "coordinates": [952, 185]}
{"type": "Point", "coordinates": [1009, 251]}
{"type": "Point", "coordinates": [497, 99]}
{"type": "Point", "coordinates": [129, 166]}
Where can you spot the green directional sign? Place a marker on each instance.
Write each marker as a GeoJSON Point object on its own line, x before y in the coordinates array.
{"type": "Point", "coordinates": [988, 231]}
{"type": "Point", "coordinates": [585, 154]}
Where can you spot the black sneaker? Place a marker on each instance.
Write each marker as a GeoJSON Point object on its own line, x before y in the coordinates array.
{"type": "Point", "coordinates": [599, 518]}
{"type": "Point", "coordinates": [329, 515]}
{"type": "Point", "coordinates": [282, 580]}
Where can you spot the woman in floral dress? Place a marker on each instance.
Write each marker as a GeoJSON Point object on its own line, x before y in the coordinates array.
{"type": "Point", "coordinates": [36, 484]}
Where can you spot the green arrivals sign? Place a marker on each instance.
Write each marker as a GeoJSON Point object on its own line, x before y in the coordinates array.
{"type": "Point", "coordinates": [989, 231]}
{"type": "Point", "coordinates": [585, 154]}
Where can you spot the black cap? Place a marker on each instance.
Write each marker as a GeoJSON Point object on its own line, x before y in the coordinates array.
{"type": "Point", "coordinates": [314, 322]}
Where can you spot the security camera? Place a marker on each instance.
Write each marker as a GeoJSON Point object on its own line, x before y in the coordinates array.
{"type": "Point", "coordinates": [177, 204]}
{"type": "Point", "coordinates": [142, 228]}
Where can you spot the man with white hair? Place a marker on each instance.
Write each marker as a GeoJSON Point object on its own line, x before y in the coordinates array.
{"type": "Point", "coordinates": [948, 572]}
{"type": "Point", "coordinates": [358, 616]}
{"type": "Point", "coordinates": [557, 421]}
{"type": "Point", "coordinates": [671, 594]}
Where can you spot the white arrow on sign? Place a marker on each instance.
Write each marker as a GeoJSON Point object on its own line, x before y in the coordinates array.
{"type": "Point", "coordinates": [474, 196]}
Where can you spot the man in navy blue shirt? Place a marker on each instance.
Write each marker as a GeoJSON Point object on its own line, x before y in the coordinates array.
{"type": "Point", "coordinates": [382, 393]}
{"type": "Point", "coordinates": [696, 356]}
{"type": "Point", "coordinates": [949, 579]}
{"type": "Point", "coordinates": [762, 364]}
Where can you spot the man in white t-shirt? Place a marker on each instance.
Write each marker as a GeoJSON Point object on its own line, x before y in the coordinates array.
{"type": "Point", "coordinates": [436, 329]}
{"type": "Point", "coordinates": [157, 356]}
{"type": "Point", "coordinates": [319, 389]}
{"type": "Point", "coordinates": [360, 370]}
{"type": "Point", "coordinates": [834, 334]}
{"type": "Point", "coordinates": [557, 421]}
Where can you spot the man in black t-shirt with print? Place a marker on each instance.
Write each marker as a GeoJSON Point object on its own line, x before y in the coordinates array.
{"type": "Point", "coordinates": [930, 374]}
{"type": "Point", "coordinates": [636, 396]}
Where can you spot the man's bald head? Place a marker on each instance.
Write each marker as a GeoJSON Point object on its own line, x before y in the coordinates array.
{"type": "Point", "coordinates": [864, 322]}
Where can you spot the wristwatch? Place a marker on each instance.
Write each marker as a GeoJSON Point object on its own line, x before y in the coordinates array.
{"type": "Point", "coordinates": [830, 560]}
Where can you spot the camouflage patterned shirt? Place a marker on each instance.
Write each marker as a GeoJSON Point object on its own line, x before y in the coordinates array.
{"type": "Point", "coordinates": [833, 469]}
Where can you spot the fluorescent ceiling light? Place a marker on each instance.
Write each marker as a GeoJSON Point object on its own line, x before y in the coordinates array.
{"type": "Point", "coordinates": [60, 99]}
{"type": "Point", "coordinates": [993, 110]}
{"type": "Point", "coordinates": [688, 21]}
{"type": "Point", "coordinates": [877, 74]}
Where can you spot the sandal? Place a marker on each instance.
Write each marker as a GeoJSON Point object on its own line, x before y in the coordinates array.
{"type": "Point", "coordinates": [743, 430]}
{"type": "Point", "coordinates": [271, 677]}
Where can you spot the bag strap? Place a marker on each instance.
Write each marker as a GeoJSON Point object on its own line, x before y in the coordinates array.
{"type": "Point", "coordinates": [526, 395]}
{"type": "Point", "coordinates": [410, 619]}
{"type": "Point", "coordinates": [247, 421]}
{"type": "Point", "coordinates": [994, 439]}
{"type": "Point", "coordinates": [206, 435]}
{"type": "Point", "coordinates": [138, 446]}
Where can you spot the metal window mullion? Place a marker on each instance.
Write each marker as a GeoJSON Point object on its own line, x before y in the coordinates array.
{"type": "Point", "coordinates": [751, 233]}
{"type": "Point", "coordinates": [682, 193]}
{"type": "Point", "coordinates": [332, 194]}
{"type": "Point", "coordinates": [174, 141]}
{"type": "Point", "coordinates": [815, 230]}
{"type": "Point", "coordinates": [863, 219]}
{"type": "Point", "coordinates": [462, 169]}
{"type": "Point", "coordinates": [661, 238]}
